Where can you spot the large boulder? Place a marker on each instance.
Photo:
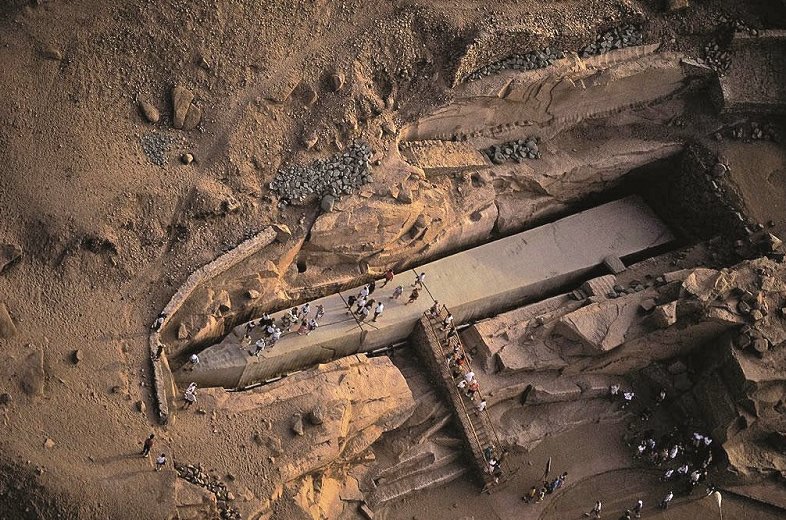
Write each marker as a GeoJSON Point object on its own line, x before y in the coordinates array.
{"type": "Point", "coordinates": [602, 326]}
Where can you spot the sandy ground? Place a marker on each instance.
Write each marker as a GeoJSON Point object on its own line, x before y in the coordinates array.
{"type": "Point", "coordinates": [75, 183]}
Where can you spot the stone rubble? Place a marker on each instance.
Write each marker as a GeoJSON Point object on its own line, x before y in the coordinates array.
{"type": "Point", "coordinates": [513, 150]}
{"type": "Point", "coordinates": [197, 476]}
{"type": "Point", "coordinates": [341, 174]}
{"type": "Point", "coordinates": [616, 38]}
{"type": "Point", "coordinates": [528, 61]}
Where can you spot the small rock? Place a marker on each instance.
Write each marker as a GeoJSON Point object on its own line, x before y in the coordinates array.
{"type": "Point", "coordinates": [327, 203]}
{"type": "Point", "coordinates": [309, 95]}
{"type": "Point", "coordinates": [193, 117]}
{"type": "Point", "coordinates": [49, 443]}
{"type": "Point", "coordinates": [336, 81]}
{"type": "Point", "coordinates": [77, 356]}
{"type": "Point", "coordinates": [389, 128]}
{"type": "Point", "coordinates": [182, 331]}
{"type": "Point", "coordinates": [310, 140]}
{"type": "Point", "coordinates": [5, 399]}
{"type": "Point", "coordinates": [404, 195]}
{"type": "Point", "coordinates": [647, 305]}
{"type": "Point", "coordinates": [761, 345]}
{"type": "Point", "coordinates": [149, 112]}
{"type": "Point", "coordinates": [230, 496]}
{"type": "Point", "coordinates": [252, 294]}
{"type": "Point", "coordinates": [51, 53]}
{"type": "Point", "coordinates": [317, 415]}
{"type": "Point", "coordinates": [677, 5]}
{"type": "Point", "coordinates": [297, 424]}
{"type": "Point", "coordinates": [757, 315]}
{"type": "Point", "coordinates": [115, 389]}
{"type": "Point", "coordinates": [186, 158]}
{"type": "Point", "coordinates": [141, 406]}
{"type": "Point", "coordinates": [7, 327]}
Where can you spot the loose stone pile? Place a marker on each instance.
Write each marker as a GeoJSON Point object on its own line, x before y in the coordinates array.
{"type": "Point", "coordinates": [529, 61]}
{"type": "Point", "coordinates": [514, 150]}
{"type": "Point", "coordinates": [195, 475]}
{"type": "Point", "coordinates": [342, 173]}
{"type": "Point", "coordinates": [156, 146]}
{"type": "Point", "coordinates": [616, 38]}
{"type": "Point", "coordinates": [716, 57]}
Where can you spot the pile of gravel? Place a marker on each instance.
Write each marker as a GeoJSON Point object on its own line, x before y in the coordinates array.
{"type": "Point", "coordinates": [514, 150]}
{"type": "Point", "coordinates": [342, 173]}
{"type": "Point", "coordinates": [716, 57]}
{"type": "Point", "coordinates": [529, 61]}
{"type": "Point", "coordinates": [616, 38]}
{"type": "Point", "coordinates": [156, 146]}
{"type": "Point", "coordinates": [195, 475]}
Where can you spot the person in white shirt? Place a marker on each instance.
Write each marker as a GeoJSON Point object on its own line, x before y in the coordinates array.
{"type": "Point", "coordinates": [378, 311]}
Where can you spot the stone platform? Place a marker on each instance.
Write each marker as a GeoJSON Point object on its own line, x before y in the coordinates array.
{"type": "Point", "coordinates": [475, 283]}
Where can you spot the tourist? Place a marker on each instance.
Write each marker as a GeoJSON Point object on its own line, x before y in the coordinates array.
{"type": "Point", "coordinates": [160, 462]}
{"type": "Point", "coordinates": [638, 507]}
{"type": "Point", "coordinates": [481, 406]}
{"type": "Point", "coordinates": [530, 496]}
{"type": "Point", "coordinates": [683, 470]}
{"type": "Point", "coordinates": [304, 310]}
{"type": "Point", "coordinates": [320, 312]}
{"type": "Point", "coordinates": [397, 292]}
{"type": "Point", "coordinates": [434, 309]}
{"type": "Point", "coordinates": [372, 285]}
{"type": "Point", "coordinates": [194, 361]}
{"type": "Point", "coordinates": [275, 336]}
{"type": "Point", "coordinates": [303, 329]}
{"type": "Point", "coordinates": [388, 277]}
{"type": "Point", "coordinates": [541, 494]}
{"type": "Point", "coordinates": [419, 279]}
{"type": "Point", "coordinates": [664, 504]}
{"type": "Point", "coordinates": [413, 296]}
{"type": "Point", "coordinates": [469, 376]}
{"type": "Point", "coordinates": [595, 513]}
{"type": "Point", "coordinates": [625, 515]}
{"type": "Point", "coordinates": [364, 292]}
{"type": "Point", "coordinates": [312, 325]}
{"type": "Point", "coordinates": [159, 349]}
{"type": "Point", "coordinates": [674, 451]}
{"type": "Point", "coordinates": [627, 399]}
{"type": "Point", "coordinates": [350, 302]}
{"type": "Point", "coordinates": [148, 445]}
{"type": "Point", "coordinates": [189, 396]}
{"type": "Point", "coordinates": [259, 346]}
{"type": "Point", "coordinates": [159, 321]}
{"type": "Point", "coordinates": [473, 388]}
{"type": "Point", "coordinates": [363, 313]}
{"type": "Point", "coordinates": [661, 397]}
{"type": "Point", "coordinates": [266, 320]}
{"type": "Point", "coordinates": [614, 392]}
{"type": "Point", "coordinates": [462, 385]}
{"type": "Point", "coordinates": [249, 328]}
{"type": "Point", "coordinates": [695, 476]}
{"type": "Point", "coordinates": [378, 311]}
{"type": "Point", "coordinates": [447, 322]}
{"type": "Point", "coordinates": [360, 304]}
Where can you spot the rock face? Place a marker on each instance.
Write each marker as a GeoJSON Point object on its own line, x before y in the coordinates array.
{"type": "Point", "coordinates": [352, 401]}
{"type": "Point", "coordinates": [9, 253]}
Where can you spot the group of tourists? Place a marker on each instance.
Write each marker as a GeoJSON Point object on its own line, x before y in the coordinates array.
{"type": "Point", "coordinates": [364, 304]}
{"type": "Point", "coordinates": [536, 494]}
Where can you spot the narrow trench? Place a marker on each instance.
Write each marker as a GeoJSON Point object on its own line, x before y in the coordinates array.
{"type": "Point", "coordinates": [658, 183]}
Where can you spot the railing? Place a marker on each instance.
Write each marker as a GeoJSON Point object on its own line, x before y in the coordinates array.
{"type": "Point", "coordinates": [485, 426]}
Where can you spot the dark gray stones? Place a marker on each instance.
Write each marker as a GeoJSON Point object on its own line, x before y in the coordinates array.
{"type": "Point", "coordinates": [156, 146]}
{"type": "Point", "coordinates": [327, 203]}
{"type": "Point", "coordinates": [518, 151]}
{"type": "Point", "coordinates": [297, 424]}
{"type": "Point", "coordinates": [528, 61]}
{"type": "Point", "coordinates": [340, 174]}
{"type": "Point", "coordinates": [616, 38]}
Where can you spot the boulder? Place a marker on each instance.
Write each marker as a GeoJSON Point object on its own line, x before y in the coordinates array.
{"type": "Point", "coordinates": [149, 112]}
{"type": "Point", "coordinates": [252, 294]}
{"type": "Point", "coordinates": [599, 286]}
{"type": "Point", "coordinates": [614, 264]}
{"type": "Point", "coordinates": [181, 103]}
{"type": "Point", "coordinates": [317, 415]}
{"type": "Point", "coordinates": [9, 253]}
{"type": "Point", "coordinates": [32, 374]}
{"type": "Point", "coordinates": [327, 203]}
{"type": "Point", "coordinates": [51, 52]}
{"type": "Point", "coordinates": [7, 327]}
{"type": "Point", "coordinates": [601, 326]}
{"type": "Point", "coordinates": [49, 444]}
{"type": "Point", "coordinates": [665, 315]}
{"type": "Point", "coordinates": [5, 399]}
{"type": "Point", "coordinates": [283, 233]}
{"type": "Point", "coordinates": [336, 81]}
{"type": "Point", "coordinates": [297, 424]}
{"type": "Point", "coordinates": [193, 117]}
